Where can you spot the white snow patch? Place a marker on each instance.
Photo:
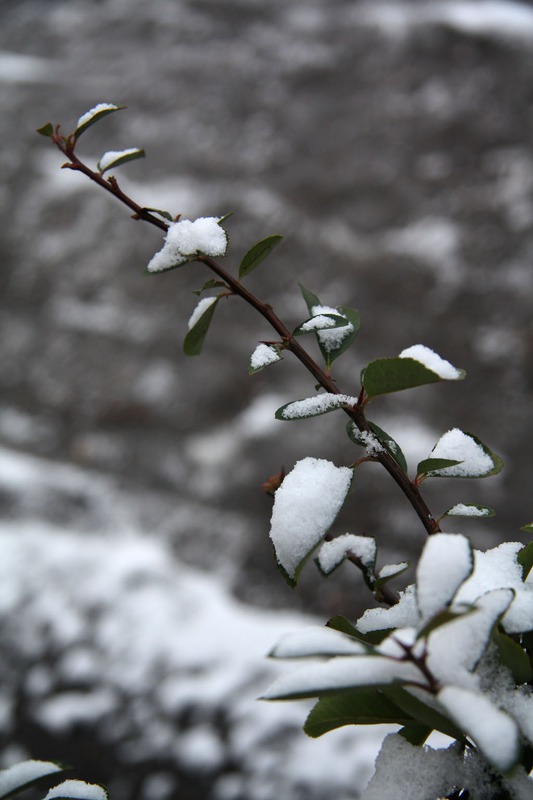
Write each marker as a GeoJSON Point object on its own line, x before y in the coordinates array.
{"type": "Point", "coordinates": [500, 19]}
{"type": "Point", "coordinates": [305, 505]}
{"type": "Point", "coordinates": [319, 404]}
{"type": "Point", "coordinates": [22, 68]}
{"type": "Point", "coordinates": [111, 156]}
{"type": "Point", "coordinates": [199, 311]}
{"type": "Point", "coordinates": [429, 359]}
{"type": "Point", "coordinates": [23, 773]}
{"type": "Point", "coordinates": [332, 339]}
{"type": "Point", "coordinates": [498, 569]}
{"type": "Point", "coordinates": [403, 615]}
{"type": "Point", "coordinates": [332, 553]}
{"type": "Point", "coordinates": [495, 733]}
{"type": "Point", "coordinates": [445, 563]}
{"type": "Point", "coordinates": [78, 790]}
{"type": "Point", "coordinates": [342, 672]}
{"type": "Point", "coordinates": [318, 323]}
{"type": "Point", "coordinates": [184, 239]}
{"type": "Point", "coordinates": [264, 355]}
{"type": "Point", "coordinates": [463, 510]}
{"type": "Point", "coordinates": [371, 442]}
{"type": "Point", "coordinates": [392, 569]}
{"type": "Point", "coordinates": [316, 641]}
{"type": "Point", "coordinates": [93, 112]}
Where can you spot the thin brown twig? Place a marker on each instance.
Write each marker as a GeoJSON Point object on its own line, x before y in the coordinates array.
{"type": "Point", "coordinates": [356, 413]}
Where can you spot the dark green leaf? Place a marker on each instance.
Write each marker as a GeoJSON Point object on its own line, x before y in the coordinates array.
{"type": "Point", "coordinates": [443, 618]}
{"type": "Point", "coordinates": [46, 130]}
{"type": "Point", "coordinates": [353, 317]}
{"type": "Point", "coordinates": [340, 623]}
{"type": "Point", "coordinates": [527, 528]}
{"type": "Point", "coordinates": [95, 115]}
{"type": "Point", "coordinates": [497, 462]}
{"type": "Point", "coordinates": [312, 406]}
{"type": "Point", "coordinates": [434, 464]}
{"type": "Point", "coordinates": [415, 733]}
{"type": "Point", "coordinates": [360, 707]}
{"type": "Point", "coordinates": [258, 253]}
{"type": "Point", "coordinates": [22, 776]}
{"type": "Point", "coordinates": [381, 581]}
{"type": "Point", "coordinates": [192, 345]}
{"type": "Point", "coordinates": [276, 356]}
{"type": "Point", "coordinates": [339, 321]}
{"type": "Point", "coordinates": [386, 375]}
{"type": "Point", "coordinates": [120, 158]}
{"type": "Point", "coordinates": [211, 284]}
{"type": "Point", "coordinates": [525, 559]}
{"type": "Point", "coordinates": [513, 656]}
{"type": "Point", "coordinates": [422, 713]}
{"type": "Point", "coordinates": [165, 214]}
{"type": "Point", "coordinates": [311, 299]}
{"type": "Point", "coordinates": [390, 445]}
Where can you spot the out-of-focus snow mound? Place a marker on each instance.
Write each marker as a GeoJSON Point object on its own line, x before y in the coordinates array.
{"type": "Point", "coordinates": [110, 643]}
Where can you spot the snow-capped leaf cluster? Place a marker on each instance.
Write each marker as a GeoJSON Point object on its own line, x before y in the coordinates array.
{"type": "Point", "coordinates": [305, 506]}
{"type": "Point", "coordinates": [186, 239]}
{"type": "Point", "coordinates": [435, 653]}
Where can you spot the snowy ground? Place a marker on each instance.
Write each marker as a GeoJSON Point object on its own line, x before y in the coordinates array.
{"type": "Point", "coordinates": [108, 637]}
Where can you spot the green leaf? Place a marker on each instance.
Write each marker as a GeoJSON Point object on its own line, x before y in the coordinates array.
{"type": "Point", "coordinates": [25, 774]}
{"type": "Point", "coordinates": [330, 353]}
{"type": "Point", "coordinates": [354, 318]}
{"type": "Point", "coordinates": [313, 406]}
{"type": "Point", "coordinates": [360, 707]}
{"type": "Point", "coordinates": [443, 618]}
{"type": "Point", "coordinates": [258, 253]}
{"type": "Point", "coordinates": [95, 115]}
{"type": "Point", "coordinates": [46, 130]}
{"type": "Point", "coordinates": [469, 510]}
{"type": "Point", "coordinates": [211, 284]}
{"type": "Point", "coordinates": [513, 656]}
{"type": "Point", "coordinates": [527, 528]}
{"type": "Point", "coordinates": [339, 321]}
{"type": "Point", "coordinates": [392, 447]}
{"type": "Point", "coordinates": [457, 442]}
{"type": "Point", "coordinates": [275, 356]}
{"type": "Point", "coordinates": [341, 624]}
{"type": "Point", "coordinates": [415, 733]}
{"type": "Point", "coordinates": [192, 345]}
{"type": "Point", "coordinates": [434, 464]}
{"type": "Point", "coordinates": [311, 299]}
{"type": "Point", "coordinates": [113, 158]}
{"type": "Point", "coordinates": [422, 713]}
{"type": "Point", "coordinates": [381, 579]}
{"type": "Point", "coordinates": [525, 559]}
{"type": "Point", "coordinates": [165, 214]}
{"type": "Point", "coordinates": [386, 375]}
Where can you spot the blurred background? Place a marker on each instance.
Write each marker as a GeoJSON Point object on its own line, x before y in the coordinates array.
{"type": "Point", "coordinates": [390, 143]}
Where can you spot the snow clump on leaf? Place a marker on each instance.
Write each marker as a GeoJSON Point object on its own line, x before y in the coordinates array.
{"type": "Point", "coordinates": [456, 445]}
{"type": "Point", "coordinates": [185, 239]}
{"type": "Point", "coordinates": [429, 359]}
{"type": "Point", "coordinates": [331, 339]}
{"type": "Point", "coordinates": [305, 505]}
